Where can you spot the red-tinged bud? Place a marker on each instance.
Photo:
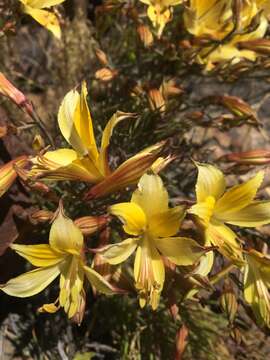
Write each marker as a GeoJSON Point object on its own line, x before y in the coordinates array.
{"type": "Point", "coordinates": [156, 100]}
{"type": "Point", "coordinates": [170, 88]}
{"type": "Point", "coordinates": [91, 224]}
{"type": "Point", "coordinates": [236, 335]}
{"type": "Point", "coordinates": [253, 157]}
{"type": "Point", "coordinates": [195, 115]}
{"type": "Point", "coordinates": [235, 105]}
{"type": "Point", "coordinates": [41, 216]}
{"type": "Point", "coordinates": [181, 342]}
{"type": "Point", "coordinates": [106, 74]}
{"type": "Point", "coordinates": [145, 35]}
{"type": "Point", "coordinates": [8, 173]}
{"type": "Point", "coordinates": [260, 46]}
{"type": "Point", "coordinates": [9, 90]}
{"type": "Point", "coordinates": [102, 57]}
{"type": "Point", "coordinates": [185, 44]}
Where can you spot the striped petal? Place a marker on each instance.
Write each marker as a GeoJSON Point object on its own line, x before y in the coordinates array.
{"type": "Point", "coordinates": [238, 197]}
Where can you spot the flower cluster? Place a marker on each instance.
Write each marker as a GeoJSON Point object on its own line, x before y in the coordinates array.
{"type": "Point", "coordinates": [152, 225]}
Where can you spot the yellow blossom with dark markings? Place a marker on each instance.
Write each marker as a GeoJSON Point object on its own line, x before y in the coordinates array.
{"type": "Point", "coordinates": [217, 207]}
{"type": "Point", "coordinates": [153, 225]}
{"type": "Point", "coordinates": [64, 257]}
{"type": "Point", "coordinates": [85, 162]}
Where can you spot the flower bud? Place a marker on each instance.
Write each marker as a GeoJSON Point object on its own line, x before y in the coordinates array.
{"type": "Point", "coordinates": [260, 46]}
{"type": "Point", "coordinates": [156, 100]}
{"type": "Point", "coordinates": [42, 216]}
{"type": "Point", "coordinates": [145, 35]}
{"type": "Point", "coordinates": [102, 57]}
{"type": "Point", "coordinates": [181, 342]}
{"type": "Point", "coordinates": [90, 224]}
{"type": "Point", "coordinates": [237, 106]}
{"type": "Point", "coordinates": [228, 302]}
{"type": "Point", "coordinates": [8, 173]}
{"type": "Point", "coordinates": [253, 157]}
{"type": "Point", "coordinates": [9, 90]}
{"type": "Point", "coordinates": [106, 74]}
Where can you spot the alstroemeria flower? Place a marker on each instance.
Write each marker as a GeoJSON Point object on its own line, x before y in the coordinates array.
{"type": "Point", "coordinates": [64, 256]}
{"type": "Point", "coordinates": [8, 172]}
{"type": "Point", "coordinates": [215, 20]}
{"type": "Point", "coordinates": [256, 285]}
{"type": "Point", "coordinates": [160, 12]}
{"type": "Point", "coordinates": [84, 162]}
{"type": "Point", "coordinates": [215, 207]}
{"type": "Point", "coordinates": [152, 224]}
{"type": "Point", "coordinates": [35, 8]}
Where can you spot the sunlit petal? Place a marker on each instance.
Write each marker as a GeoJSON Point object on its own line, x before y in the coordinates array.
{"type": "Point", "coordinates": [255, 214]}
{"type": "Point", "coordinates": [65, 236]}
{"type": "Point", "coordinates": [210, 182]}
{"type": "Point", "coordinates": [38, 255]}
{"type": "Point", "coordinates": [151, 195]}
{"type": "Point", "coordinates": [166, 223]}
{"type": "Point", "coordinates": [117, 253]}
{"type": "Point", "coordinates": [32, 282]}
{"type": "Point", "coordinates": [44, 18]}
{"type": "Point", "coordinates": [238, 197]}
{"type": "Point", "coordinates": [132, 216]}
{"type": "Point", "coordinates": [179, 250]}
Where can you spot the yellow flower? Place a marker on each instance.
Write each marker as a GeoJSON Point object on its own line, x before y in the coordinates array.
{"type": "Point", "coordinates": [85, 162]}
{"type": "Point", "coordinates": [215, 207]}
{"type": "Point", "coordinates": [8, 172]}
{"type": "Point", "coordinates": [160, 12]}
{"type": "Point", "coordinates": [35, 8]}
{"type": "Point", "coordinates": [152, 223]}
{"type": "Point", "coordinates": [219, 21]}
{"type": "Point", "coordinates": [256, 285]}
{"type": "Point", "coordinates": [64, 256]}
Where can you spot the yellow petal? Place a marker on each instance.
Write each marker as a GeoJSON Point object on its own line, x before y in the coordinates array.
{"type": "Point", "coordinates": [237, 197]}
{"type": "Point", "coordinates": [40, 4]}
{"type": "Point", "coordinates": [64, 164]}
{"type": "Point", "coordinates": [44, 18]}
{"type": "Point", "coordinates": [205, 264]}
{"type": "Point", "coordinates": [131, 215]}
{"type": "Point", "coordinates": [65, 236]}
{"type": "Point", "coordinates": [166, 223]}
{"type": "Point", "coordinates": [31, 283]}
{"type": "Point", "coordinates": [38, 255]}
{"type": "Point", "coordinates": [98, 281]}
{"type": "Point", "coordinates": [116, 253]}
{"type": "Point", "coordinates": [106, 136]}
{"type": "Point", "coordinates": [204, 210]}
{"type": "Point", "coordinates": [253, 215]}
{"type": "Point", "coordinates": [84, 125]}
{"type": "Point", "coordinates": [127, 173]}
{"type": "Point", "coordinates": [179, 250]}
{"type": "Point", "coordinates": [151, 195]}
{"type": "Point", "coordinates": [224, 238]}
{"type": "Point", "coordinates": [210, 182]}
{"type": "Point", "coordinates": [66, 119]}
